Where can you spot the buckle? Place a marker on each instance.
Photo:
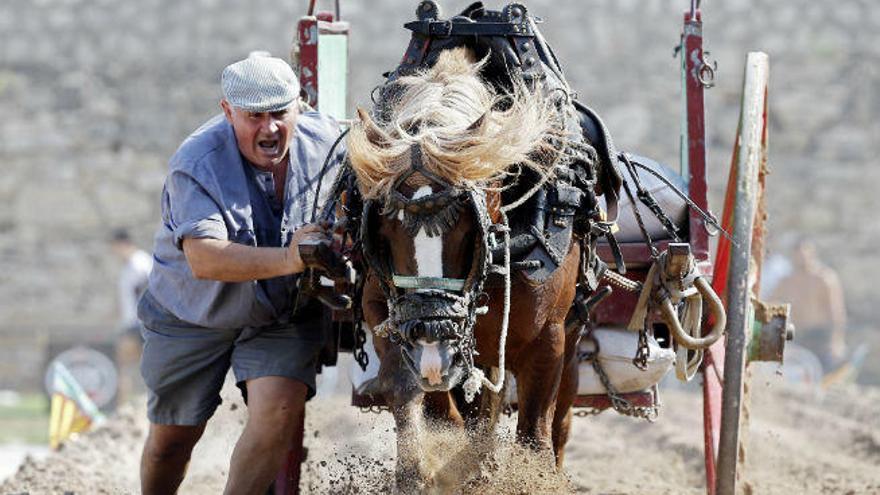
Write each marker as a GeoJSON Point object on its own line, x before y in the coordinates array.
{"type": "Point", "coordinates": [442, 28]}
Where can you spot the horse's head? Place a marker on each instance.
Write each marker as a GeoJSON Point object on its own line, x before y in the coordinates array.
{"type": "Point", "coordinates": [428, 242]}
{"type": "Point", "coordinates": [424, 175]}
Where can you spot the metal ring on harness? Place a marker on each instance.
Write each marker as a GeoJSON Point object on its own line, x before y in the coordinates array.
{"type": "Point", "coordinates": [670, 316]}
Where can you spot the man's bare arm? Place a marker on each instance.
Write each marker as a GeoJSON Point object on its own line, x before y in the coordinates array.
{"type": "Point", "coordinates": [226, 261]}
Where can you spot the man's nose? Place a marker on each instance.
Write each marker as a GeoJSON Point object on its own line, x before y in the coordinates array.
{"type": "Point", "coordinates": [273, 125]}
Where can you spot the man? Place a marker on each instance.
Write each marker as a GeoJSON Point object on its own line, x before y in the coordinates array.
{"type": "Point", "coordinates": [235, 206]}
{"type": "Point", "coordinates": [818, 310]}
{"type": "Point", "coordinates": [133, 278]}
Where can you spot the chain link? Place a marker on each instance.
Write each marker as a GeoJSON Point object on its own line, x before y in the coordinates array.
{"type": "Point", "coordinates": [588, 411]}
{"type": "Point", "coordinates": [375, 409]}
{"type": "Point", "coordinates": [618, 402]}
{"type": "Point", "coordinates": [643, 352]}
{"type": "Point", "coordinates": [359, 353]}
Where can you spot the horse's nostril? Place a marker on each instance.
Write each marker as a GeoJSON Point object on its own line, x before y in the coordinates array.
{"type": "Point", "coordinates": [414, 330]}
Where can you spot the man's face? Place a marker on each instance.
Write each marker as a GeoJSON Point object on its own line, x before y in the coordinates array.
{"type": "Point", "coordinates": [263, 137]}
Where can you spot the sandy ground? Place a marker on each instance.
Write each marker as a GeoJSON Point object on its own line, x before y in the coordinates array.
{"type": "Point", "coordinates": [12, 455]}
{"type": "Point", "coordinates": [800, 442]}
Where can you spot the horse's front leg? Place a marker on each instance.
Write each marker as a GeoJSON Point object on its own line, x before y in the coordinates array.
{"type": "Point", "coordinates": [406, 400]}
{"type": "Point", "coordinates": [538, 376]}
{"type": "Point", "coordinates": [401, 393]}
{"type": "Point", "coordinates": [480, 419]}
{"type": "Point", "coordinates": [565, 397]}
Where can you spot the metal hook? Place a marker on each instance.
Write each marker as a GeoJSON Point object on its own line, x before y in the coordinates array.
{"type": "Point", "coordinates": [706, 71]}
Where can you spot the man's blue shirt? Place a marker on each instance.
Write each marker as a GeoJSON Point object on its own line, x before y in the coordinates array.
{"type": "Point", "coordinates": [212, 192]}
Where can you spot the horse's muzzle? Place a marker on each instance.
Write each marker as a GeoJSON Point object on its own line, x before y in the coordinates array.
{"type": "Point", "coordinates": [431, 324]}
{"type": "Point", "coordinates": [436, 365]}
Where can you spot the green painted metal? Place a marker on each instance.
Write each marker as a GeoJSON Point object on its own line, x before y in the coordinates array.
{"type": "Point", "coordinates": [333, 75]}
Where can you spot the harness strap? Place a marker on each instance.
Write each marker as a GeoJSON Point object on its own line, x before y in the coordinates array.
{"type": "Point", "coordinates": [443, 283]}
{"type": "Point", "coordinates": [449, 28]}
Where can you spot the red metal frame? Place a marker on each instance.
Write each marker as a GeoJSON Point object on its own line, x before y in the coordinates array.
{"type": "Point", "coordinates": [307, 36]}
{"type": "Point", "coordinates": [308, 31]}
{"type": "Point", "coordinates": [692, 52]}
{"type": "Point", "coordinates": [602, 402]}
{"type": "Point", "coordinates": [695, 144]}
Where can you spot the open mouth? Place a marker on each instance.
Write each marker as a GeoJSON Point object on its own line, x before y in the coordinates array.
{"type": "Point", "coordinates": [269, 147]}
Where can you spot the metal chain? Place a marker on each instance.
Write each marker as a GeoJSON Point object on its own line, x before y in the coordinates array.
{"type": "Point", "coordinates": [618, 402]}
{"type": "Point", "coordinates": [638, 215]}
{"type": "Point", "coordinates": [643, 352]}
{"type": "Point", "coordinates": [360, 338]}
{"type": "Point", "coordinates": [588, 411]}
{"type": "Point", "coordinates": [648, 200]}
{"type": "Point", "coordinates": [375, 409]}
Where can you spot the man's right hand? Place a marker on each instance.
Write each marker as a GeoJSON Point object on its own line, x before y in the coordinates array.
{"type": "Point", "coordinates": [308, 232]}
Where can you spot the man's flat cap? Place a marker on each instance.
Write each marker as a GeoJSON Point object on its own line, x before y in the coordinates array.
{"type": "Point", "coordinates": [260, 84]}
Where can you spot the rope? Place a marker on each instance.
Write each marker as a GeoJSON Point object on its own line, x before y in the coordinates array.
{"type": "Point", "coordinates": [477, 378]}
{"type": "Point", "coordinates": [525, 197]}
{"type": "Point", "coordinates": [621, 281]}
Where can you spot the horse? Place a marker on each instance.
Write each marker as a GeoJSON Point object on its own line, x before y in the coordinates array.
{"type": "Point", "coordinates": [432, 174]}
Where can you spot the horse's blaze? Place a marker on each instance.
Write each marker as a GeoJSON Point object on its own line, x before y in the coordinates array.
{"type": "Point", "coordinates": [428, 250]}
{"type": "Point", "coordinates": [430, 364]}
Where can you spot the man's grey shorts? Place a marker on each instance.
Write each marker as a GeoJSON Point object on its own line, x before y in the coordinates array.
{"type": "Point", "coordinates": [184, 366]}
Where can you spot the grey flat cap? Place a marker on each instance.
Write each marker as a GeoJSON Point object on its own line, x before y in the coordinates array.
{"type": "Point", "coordinates": [260, 84]}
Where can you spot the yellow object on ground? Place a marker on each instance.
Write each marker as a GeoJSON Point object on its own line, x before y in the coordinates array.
{"type": "Point", "coordinates": [72, 409]}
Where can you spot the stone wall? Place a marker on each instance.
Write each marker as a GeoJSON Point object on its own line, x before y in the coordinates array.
{"type": "Point", "coordinates": [96, 95]}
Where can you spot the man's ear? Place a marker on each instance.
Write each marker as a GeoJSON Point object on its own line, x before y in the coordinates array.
{"type": "Point", "coordinates": [227, 109]}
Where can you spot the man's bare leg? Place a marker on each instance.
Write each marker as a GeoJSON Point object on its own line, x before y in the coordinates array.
{"type": "Point", "coordinates": [166, 456]}
{"type": "Point", "coordinates": [275, 406]}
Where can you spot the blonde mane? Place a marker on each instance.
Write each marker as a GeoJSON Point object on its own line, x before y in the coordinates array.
{"type": "Point", "coordinates": [454, 116]}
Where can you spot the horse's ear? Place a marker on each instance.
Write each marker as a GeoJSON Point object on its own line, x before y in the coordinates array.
{"type": "Point", "coordinates": [478, 124]}
{"type": "Point", "coordinates": [374, 134]}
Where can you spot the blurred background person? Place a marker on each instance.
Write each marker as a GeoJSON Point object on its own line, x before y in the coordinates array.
{"type": "Point", "coordinates": [132, 281]}
{"type": "Point", "coordinates": [817, 305]}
